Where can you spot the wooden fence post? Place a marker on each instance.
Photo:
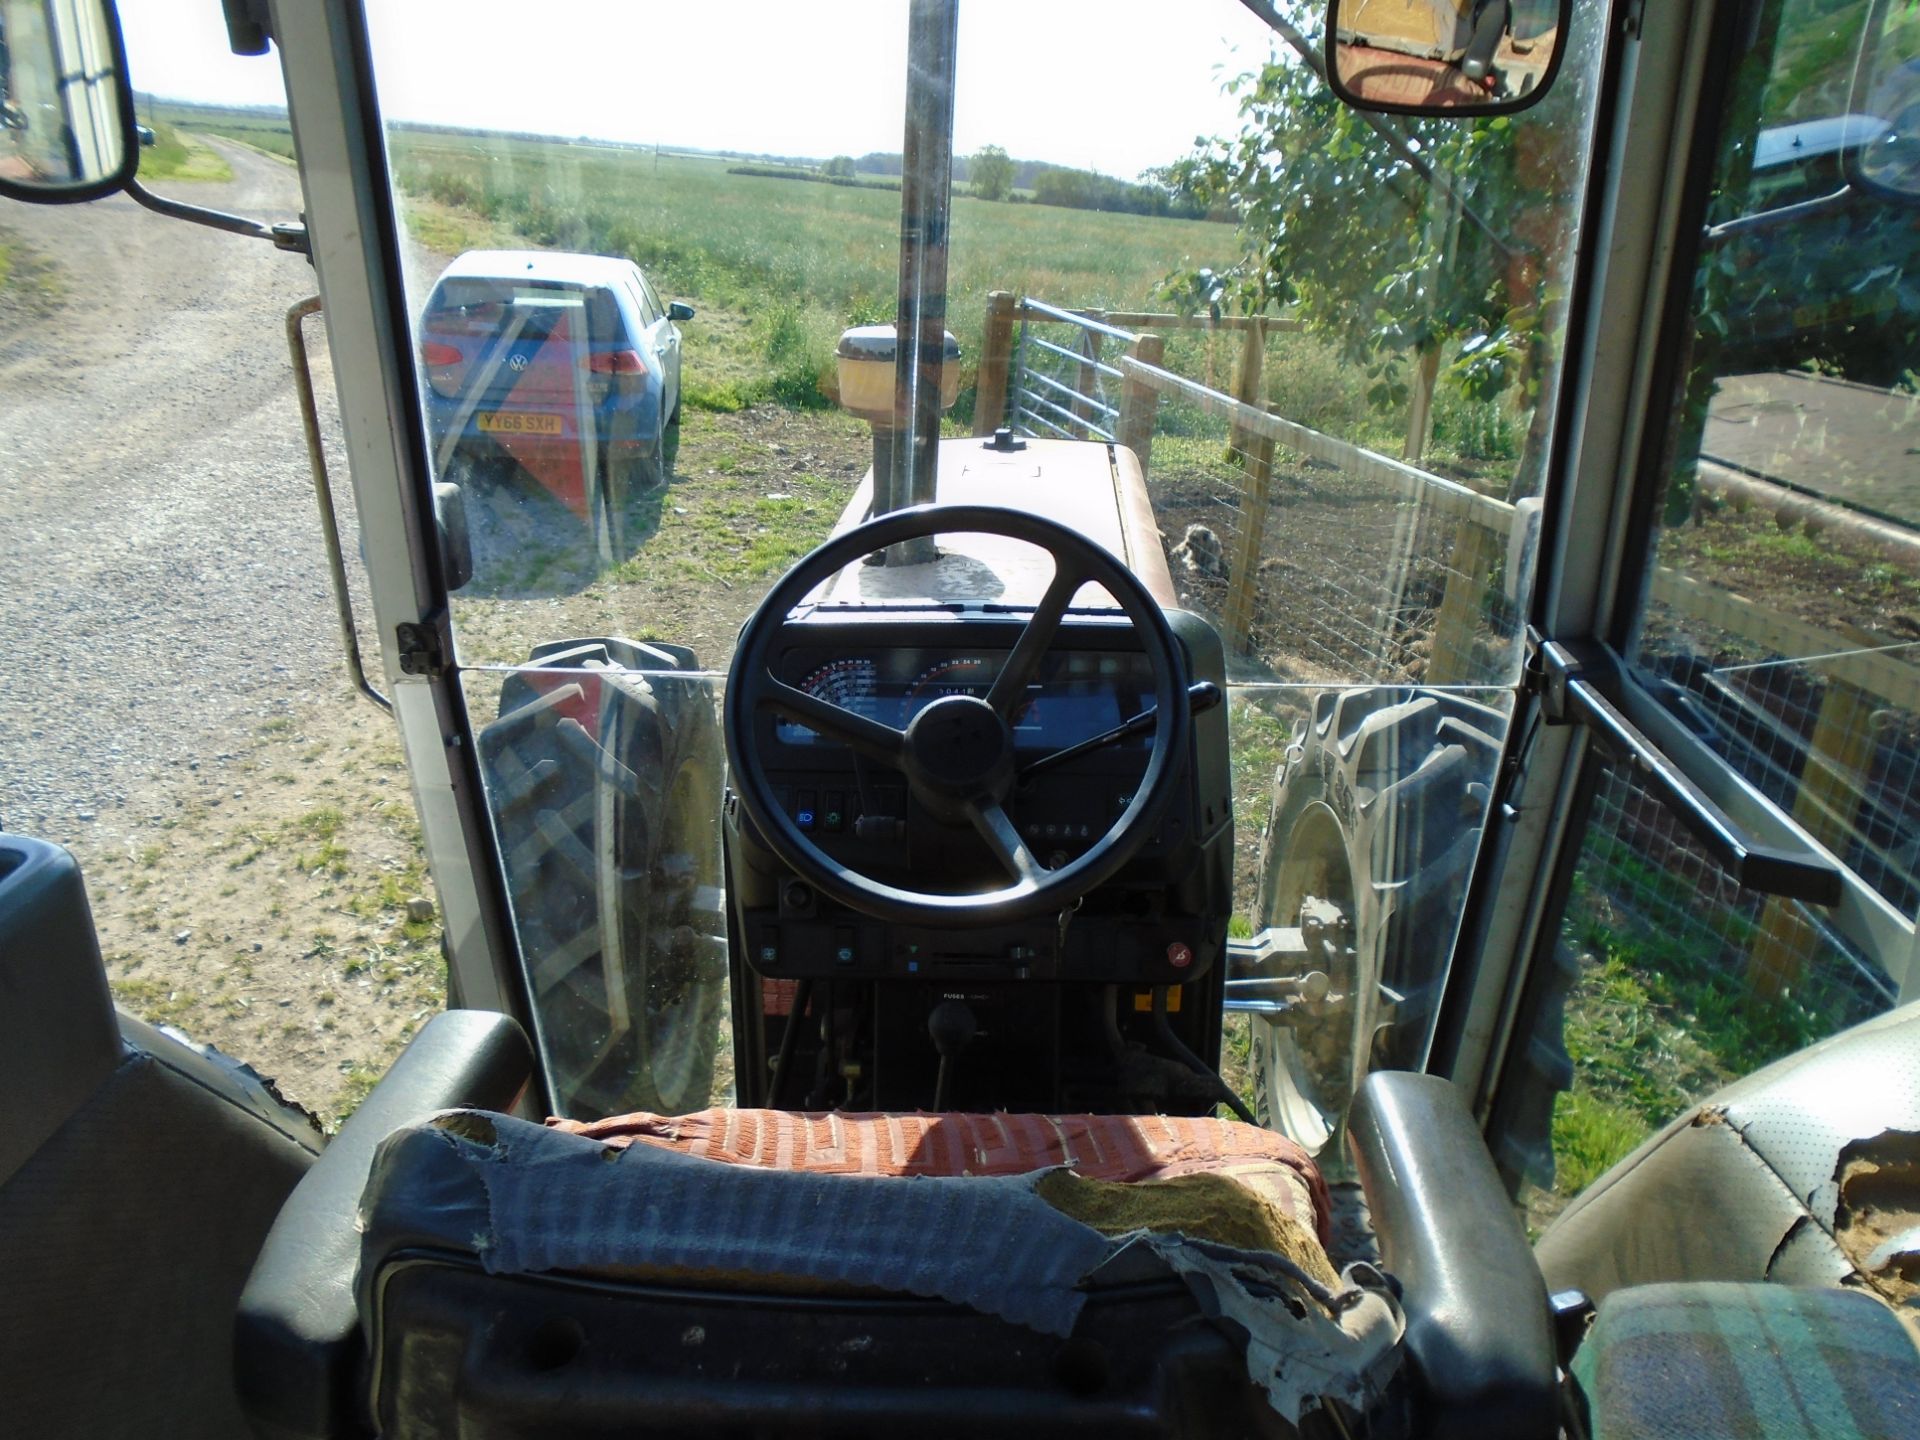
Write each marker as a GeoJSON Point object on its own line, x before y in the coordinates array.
{"type": "Point", "coordinates": [1475, 548]}
{"type": "Point", "coordinates": [1248, 388]}
{"type": "Point", "coordinates": [1831, 784]}
{"type": "Point", "coordinates": [1140, 403]}
{"type": "Point", "coordinates": [1420, 407]}
{"type": "Point", "coordinates": [1243, 573]}
{"type": "Point", "coordinates": [996, 359]}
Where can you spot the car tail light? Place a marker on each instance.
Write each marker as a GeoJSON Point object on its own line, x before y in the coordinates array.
{"type": "Point", "coordinates": [616, 362]}
{"type": "Point", "coordinates": [446, 366]}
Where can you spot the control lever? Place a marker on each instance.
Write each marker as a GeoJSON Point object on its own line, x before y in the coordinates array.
{"type": "Point", "coordinates": [1202, 696]}
{"type": "Point", "coordinates": [1489, 23]}
{"type": "Point", "coordinates": [952, 1027]}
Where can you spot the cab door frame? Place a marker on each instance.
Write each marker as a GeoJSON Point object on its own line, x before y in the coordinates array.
{"type": "Point", "coordinates": [353, 234]}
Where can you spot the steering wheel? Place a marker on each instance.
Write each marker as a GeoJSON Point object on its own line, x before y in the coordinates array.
{"type": "Point", "coordinates": [957, 754]}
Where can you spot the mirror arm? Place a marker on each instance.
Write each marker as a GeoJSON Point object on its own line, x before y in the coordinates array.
{"type": "Point", "coordinates": [286, 237]}
{"type": "Point", "coordinates": [1395, 141]}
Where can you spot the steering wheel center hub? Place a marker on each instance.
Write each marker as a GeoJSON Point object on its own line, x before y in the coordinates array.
{"type": "Point", "coordinates": [959, 746]}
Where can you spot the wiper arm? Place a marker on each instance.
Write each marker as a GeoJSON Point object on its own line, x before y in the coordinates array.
{"type": "Point", "coordinates": [1202, 696]}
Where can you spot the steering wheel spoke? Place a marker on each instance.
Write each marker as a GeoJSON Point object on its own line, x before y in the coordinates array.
{"type": "Point", "coordinates": [996, 828]}
{"type": "Point", "coordinates": [1023, 662]}
{"type": "Point", "coordinates": [867, 736]}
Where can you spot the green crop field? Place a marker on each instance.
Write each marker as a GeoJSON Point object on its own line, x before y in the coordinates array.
{"type": "Point", "coordinates": [790, 263]}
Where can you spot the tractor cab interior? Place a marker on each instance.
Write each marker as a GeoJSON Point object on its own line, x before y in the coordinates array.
{"type": "Point", "coordinates": [1004, 961]}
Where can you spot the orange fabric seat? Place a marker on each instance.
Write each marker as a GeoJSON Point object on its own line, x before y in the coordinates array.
{"type": "Point", "coordinates": [1124, 1148]}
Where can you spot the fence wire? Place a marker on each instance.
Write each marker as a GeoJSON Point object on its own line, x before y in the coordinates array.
{"type": "Point", "coordinates": [1845, 762]}
{"type": "Point", "coordinates": [1340, 567]}
{"type": "Point", "coordinates": [1312, 570]}
{"type": "Point", "coordinates": [1643, 883]}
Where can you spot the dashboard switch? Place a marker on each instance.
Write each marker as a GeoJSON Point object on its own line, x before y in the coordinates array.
{"type": "Point", "coordinates": [833, 815]}
{"type": "Point", "coordinates": [843, 945]}
{"type": "Point", "coordinates": [805, 809]}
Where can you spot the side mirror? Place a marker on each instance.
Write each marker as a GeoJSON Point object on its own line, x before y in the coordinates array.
{"type": "Point", "coordinates": [679, 310]}
{"type": "Point", "coordinates": [1444, 57]}
{"type": "Point", "coordinates": [1882, 146]}
{"type": "Point", "coordinates": [65, 102]}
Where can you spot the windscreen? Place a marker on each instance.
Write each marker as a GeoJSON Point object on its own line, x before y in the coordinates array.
{"type": "Point", "coordinates": [1307, 359]}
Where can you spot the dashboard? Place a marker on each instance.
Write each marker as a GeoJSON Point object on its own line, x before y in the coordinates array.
{"type": "Point", "coordinates": [863, 814]}
{"type": "Point", "coordinates": [1038, 987]}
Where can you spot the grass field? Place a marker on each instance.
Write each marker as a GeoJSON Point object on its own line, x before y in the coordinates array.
{"type": "Point", "coordinates": [792, 264]}
{"type": "Point", "coordinates": [177, 155]}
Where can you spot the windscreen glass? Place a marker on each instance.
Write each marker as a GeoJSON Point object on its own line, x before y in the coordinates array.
{"type": "Point", "coordinates": [1293, 365]}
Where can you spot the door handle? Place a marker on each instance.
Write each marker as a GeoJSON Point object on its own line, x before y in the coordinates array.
{"type": "Point", "coordinates": [323, 494]}
{"type": "Point", "coordinates": [1577, 678]}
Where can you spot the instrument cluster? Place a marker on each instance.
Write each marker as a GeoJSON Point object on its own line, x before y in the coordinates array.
{"type": "Point", "coordinates": [1078, 693]}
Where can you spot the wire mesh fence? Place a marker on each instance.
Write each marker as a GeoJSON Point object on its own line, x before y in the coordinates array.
{"type": "Point", "coordinates": [1642, 883]}
{"type": "Point", "coordinates": [1317, 560]}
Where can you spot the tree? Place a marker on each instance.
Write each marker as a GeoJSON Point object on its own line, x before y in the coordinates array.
{"type": "Point", "coordinates": [992, 173]}
{"type": "Point", "coordinates": [840, 167]}
{"type": "Point", "coordinates": [1397, 239]}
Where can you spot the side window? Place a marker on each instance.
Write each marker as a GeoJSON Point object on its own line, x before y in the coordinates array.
{"type": "Point", "coordinates": [649, 302]}
{"type": "Point", "coordinates": [604, 323]}
{"type": "Point", "coordinates": [1774, 623]}
{"type": "Point", "coordinates": [637, 292]}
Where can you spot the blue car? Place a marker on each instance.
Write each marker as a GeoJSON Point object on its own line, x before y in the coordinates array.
{"type": "Point", "coordinates": [568, 366]}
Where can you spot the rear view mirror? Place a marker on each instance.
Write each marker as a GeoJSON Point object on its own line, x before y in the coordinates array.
{"type": "Point", "coordinates": [679, 310]}
{"type": "Point", "coordinates": [1444, 57]}
{"type": "Point", "coordinates": [1883, 149]}
{"type": "Point", "coordinates": [65, 102]}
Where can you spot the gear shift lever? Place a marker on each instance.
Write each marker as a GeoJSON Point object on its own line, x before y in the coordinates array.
{"type": "Point", "coordinates": [952, 1027]}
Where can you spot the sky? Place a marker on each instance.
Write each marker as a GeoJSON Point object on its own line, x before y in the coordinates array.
{"type": "Point", "coordinates": [1109, 85]}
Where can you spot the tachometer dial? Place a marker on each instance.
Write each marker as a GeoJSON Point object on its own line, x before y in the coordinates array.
{"type": "Point", "coordinates": [850, 684]}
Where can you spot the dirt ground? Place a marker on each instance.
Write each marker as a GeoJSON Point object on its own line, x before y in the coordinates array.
{"type": "Point", "coordinates": [177, 713]}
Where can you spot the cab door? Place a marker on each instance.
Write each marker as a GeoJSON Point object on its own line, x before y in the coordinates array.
{"type": "Point", "coordinates": [1703, 846]}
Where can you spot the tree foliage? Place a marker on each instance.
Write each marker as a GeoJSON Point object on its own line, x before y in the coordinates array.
{"type": "Point", "coordinates": [991, 173]}
{"type": "Point", "coordinates": [1440, 234]}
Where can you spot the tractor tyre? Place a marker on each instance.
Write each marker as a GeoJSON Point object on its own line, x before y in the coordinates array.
{"type": "Point", "coordinates": [1371, 838]}
{"type": "Point", "coordinates": [606, 794]}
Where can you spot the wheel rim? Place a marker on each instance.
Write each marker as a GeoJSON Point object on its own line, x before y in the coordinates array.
{"type": "Point", "coordinates": [1306, 1083]}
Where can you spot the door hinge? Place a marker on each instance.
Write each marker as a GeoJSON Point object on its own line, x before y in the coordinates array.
{"type": "Point", "coordinates": [421, 650]}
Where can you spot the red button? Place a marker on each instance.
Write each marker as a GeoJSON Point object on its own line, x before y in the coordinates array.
{"type": "Point", "coordinates": [1179, 955]}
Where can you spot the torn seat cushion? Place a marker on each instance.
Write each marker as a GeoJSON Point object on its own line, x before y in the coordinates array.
{"type": "Point", "coordinates": [474, 1216]}
{"type": "Point", "coordinates": [1803, 1173]}
{"type": "Point", "coordinates": [1277, 1177]}
{"type": "Point", "coordinates": [1769, 1362]}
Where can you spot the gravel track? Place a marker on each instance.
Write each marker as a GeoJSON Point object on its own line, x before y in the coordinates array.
{"type": "Point", "coordinates": [161, 561]}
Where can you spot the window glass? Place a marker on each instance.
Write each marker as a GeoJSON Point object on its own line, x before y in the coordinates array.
{"type": "Point", "coordinates": [176, 713]}
{"type": "Point", "coordinates": [1299, 372]}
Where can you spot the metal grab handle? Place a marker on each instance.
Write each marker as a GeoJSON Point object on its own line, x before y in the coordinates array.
{"type": "Point", "coordinates": [1574, 694]}
{"type": "Point", "coordinates": [323, 494]}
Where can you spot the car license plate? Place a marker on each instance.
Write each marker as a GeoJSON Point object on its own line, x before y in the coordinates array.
{"type": "Point", "coordinates": [519, 422]}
